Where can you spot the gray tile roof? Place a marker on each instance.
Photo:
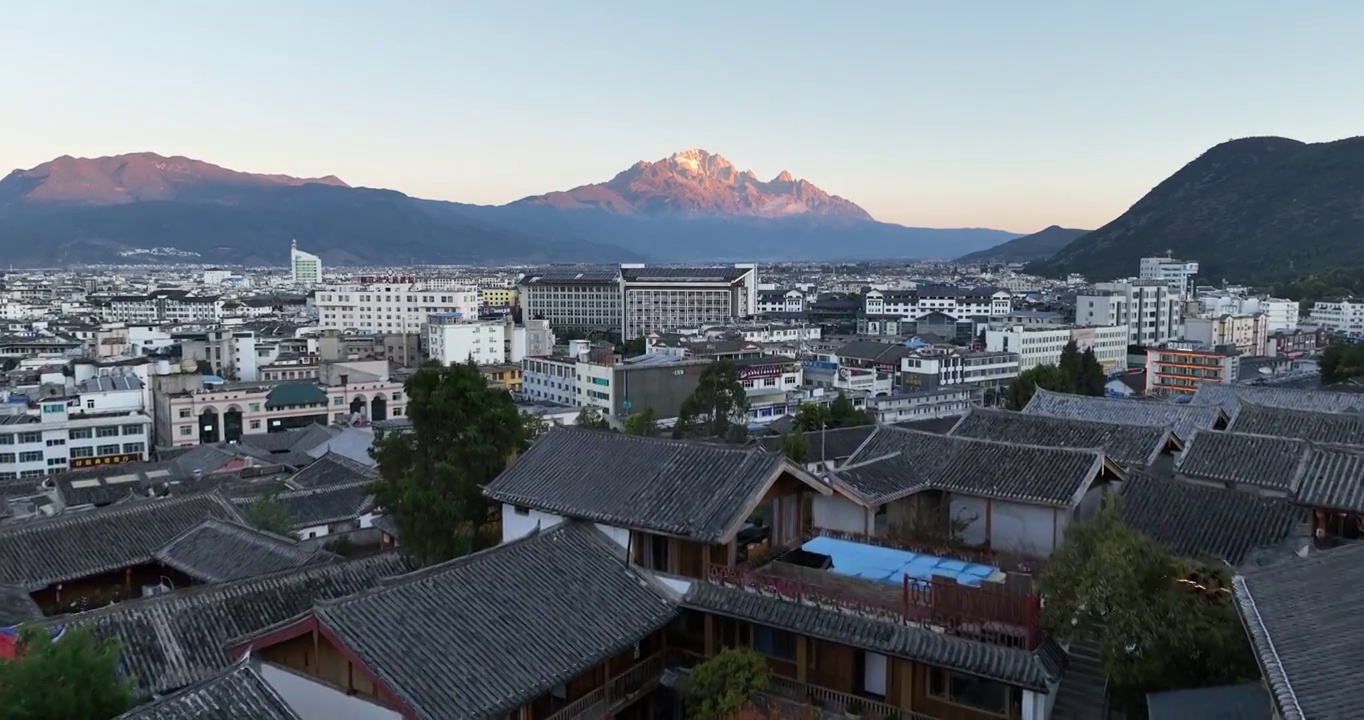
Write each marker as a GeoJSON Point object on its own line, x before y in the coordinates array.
{"type": "Point", "coordinates": [324, 505]}
{"type": "Point", "coordinates": [1323, 427]}
{"type": "Point", "coordinates": [1247, 701]}
{"type": "Point", "coordinates": [1194, 520]}
{"type": "Point", "coordinates": [1229, 397]}
{"type": "Point", "coordinates": [1032, 670]}
{"type": "Point", "coordinates": [45, 552]}
{"type": "Point", "coordinates": [1332, 477]}
{"type": "Point", "coordinates": [1263, 461]}
{"type": "Point", "coordinates": [1304, 626]}
{"type": "Point", "coordinates": [239, 694]}
{"type": "Point", "coordinates": [1183, 419]}
{"type": "Point", "coordinates": [896, 463]}
{"type": "Point", "coordinates": [17, 606]}
{"type": "Point", "coordinates": [220, 551]}
{"type": "Point", "coordinates": [836, 444]}
{"type": "Point", "coordinates": [672, 487]}
{"type": "Point", "coordinates": [170, 641]}
{"type": "Point", "coordinates": [1131, 445]}
{"type": "Point", "coordinates": [482, 635]}
{"type": "Point", "coordinates": [332, 469]}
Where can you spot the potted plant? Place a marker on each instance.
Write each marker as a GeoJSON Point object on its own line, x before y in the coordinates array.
{"type": "Point", "coordinates": [853, 709]}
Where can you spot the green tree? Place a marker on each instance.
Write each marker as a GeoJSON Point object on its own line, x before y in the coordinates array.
{"type": "Point", "coordinates": [717, 407]}
{"type": "Point", "coordinates": [1048, 377]}
{"type": "Point", "coordinates": [1092, 378]}
{"type": "Point", "coordinates": [721, 686]}
{"type": "Point", "coordinates": [794, 447]}
{"type": "Point", "coordinates": [637, 346]}
{"type": "Point", "coordinates": [1110, 584]}
{"type": "Point", "coordinates": [74, 677]}
{"type": "Point", "coordinates": [1341, 361]}
{"type": "Point", "coordinates": [269, 514]}
{"type": "Point", "coordinates": [590, 417]}
{"type": "Point", "coordinates": [1071, 366]}
{"type": "Point", "coordinates": [431, 479]}
{"type": "Point", "coordinates": [810, 417]}
{"type": "Point", "coordinates": [641, 423]}
{"type": "Point", "coordinates": [843, 414]}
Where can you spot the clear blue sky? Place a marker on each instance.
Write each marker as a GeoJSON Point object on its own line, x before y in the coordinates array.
{"type": "Point", "coordinates": [996, 113]}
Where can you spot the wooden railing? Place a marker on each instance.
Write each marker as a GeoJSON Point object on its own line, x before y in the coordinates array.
{"type": "Point", "coordinates": [637, 680]}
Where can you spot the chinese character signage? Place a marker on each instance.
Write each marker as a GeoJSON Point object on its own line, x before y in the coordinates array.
{"type": "Point", "coordinates": [105, 460]}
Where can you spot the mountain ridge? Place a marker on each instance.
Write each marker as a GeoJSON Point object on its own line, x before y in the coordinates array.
{"type": "Point", "coordinates": [1250, 210]}
{"type": "Point", "coordinates": [1038, 246]}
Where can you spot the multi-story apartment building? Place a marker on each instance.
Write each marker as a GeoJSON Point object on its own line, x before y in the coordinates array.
{"type": "Point", "coordinates": [1345, 316]}
{"type": "Point", "coordinates": [781, 302]}
{"type": "Point", "coordinates": [1247, 333]}
{"type": "Point", "coordinates": [1178, 275]}
{"type": "Point", "coordinates": [1280, 314]}
{"type": "Point", "coordinates": [394, 305]}
{"type": "Point", "coordinates": [951, 301]}
{"type": "Point", "coordinates": [935, 368]}
{"type": "Point", "coordinates": [304, 268]}
{"type": "Point", "coordinates": [160, 306]}
{"type": "Point", "coordinates": [60, 426]}
{"type": "Point", "coordinates": [1152, 312]}
{"type": "Point", "coordinates": [577, 300]}
{"type": "Point", "coordinates": [453, 339]}
{"type": "Point", "coordinates": [191, 412]}
{"type": "Point", "coordinates": [1178, 367]}
{"type": "Point", "coordinates": [594, 378]}
{"type": "Point", "coordinates": [1042, 344]}
{"type": "Point", "coordinates": [497, 296]}
{"type": "Point", "coordinates": [660, 299]}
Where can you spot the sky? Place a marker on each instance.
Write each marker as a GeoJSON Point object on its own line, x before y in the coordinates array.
{"type": "Point", "coordinates": [992, 113]}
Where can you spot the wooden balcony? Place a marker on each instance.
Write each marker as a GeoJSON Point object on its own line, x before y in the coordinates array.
{"type": "Point", "coordinates": [617, 693]}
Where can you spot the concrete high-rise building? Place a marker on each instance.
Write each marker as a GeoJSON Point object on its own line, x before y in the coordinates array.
{"type": "Point", "coordinates": [305, 268]}
{"type": "Point", "coordinates": [1151, 310]}
{"type": "Point", "coordinates": [392, 305]}
{"type": "Point", "coordinates": [659, 299]}
{"type": "Point", "coordinates": [1178, 274]}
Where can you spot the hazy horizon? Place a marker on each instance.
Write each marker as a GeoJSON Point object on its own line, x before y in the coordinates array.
{"type": "Point", "coordinates": [995, 115]}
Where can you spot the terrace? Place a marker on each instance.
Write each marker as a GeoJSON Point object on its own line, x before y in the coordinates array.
{"type": "Point", "coordinates": [960, 591]}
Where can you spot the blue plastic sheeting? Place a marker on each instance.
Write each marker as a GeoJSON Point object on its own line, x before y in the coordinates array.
{"type": "Point", "coordinates": [873, 562]}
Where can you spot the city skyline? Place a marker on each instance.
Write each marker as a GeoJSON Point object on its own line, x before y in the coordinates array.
{"type": "Point", "coordinates": [991, 116]}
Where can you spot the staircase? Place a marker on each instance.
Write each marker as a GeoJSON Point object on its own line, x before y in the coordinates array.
{"type": "Point", "coordinates": [1083, 691]}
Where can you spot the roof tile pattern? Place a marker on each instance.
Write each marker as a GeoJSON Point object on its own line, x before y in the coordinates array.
{"type": "Point", "coordinates": [896, 463]}
{"type": "Point", "coordinates": [1194, 520]}
{"type": "Point", "coordinates": [240, 694]}
{"type": "Point", "coordinates": [1132, 445]}
{"type": "Point", "coordinates": [332, 469]}
{"type": "Point", "coordinates": [482, 635]}
{"type": "Point", "coordinates": [673, 487]}
{"type": "Point", "coordinates": [1296, 614]}
{"type": "Point", "coordinates": [1333, 478]}
{"type": "Point", "coordinates": [1260, 460]}
{"type": "Point", "coordinates": [219, 551]}
{"type": "Point", "coordinates": [170, 641]}
{"type": "Point", "coordinates": [1229, 397]}
{"type": "Point", "coordinates": [1323, 427]}
{"type": "Point", "coordinates": [1011, 665]}
{"type": "Point", "coordinates": [1183, 419]}
{"type": "Point", "coordinates": [835, 444]}
{"type": "Point", "coordinates": [44, 552]}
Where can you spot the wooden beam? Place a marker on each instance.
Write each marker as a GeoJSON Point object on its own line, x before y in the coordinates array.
{"type": "Point", "coordinates": [708, 627]}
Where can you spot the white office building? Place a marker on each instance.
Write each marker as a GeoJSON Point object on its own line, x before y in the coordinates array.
{"type": "Point", "coordinates": [781, 302]}
{"type": "Point", "coordinates": [661, 299]}
{"type": "Point", "coordinates": [1042, 344]}
{"type": "Point", "coordinates": [1345, 316]}
{"type": "Point", "coordinates": [305, 268]}
{"type": "Point", "coordinates": [452, 339]}
{"type": "Point", "coordinates": [400, 306]}
{"type": "Point", "coordinates": [1280, 314]}
{"type": "Point", "coordinates": [1177, 274]}
{"type": "Point", "coordinates": [582, 300]}
{"type": "Point", "coordinates": [1248, 333]}
{"type": "Point", "coordinates": [160, 306]}
{"type": "Point", "coordinates": [1152, 312]}
{"type": "Point", "coordinates": [100, 421]}
{"type": "Point", "coordinates": [954, 302]}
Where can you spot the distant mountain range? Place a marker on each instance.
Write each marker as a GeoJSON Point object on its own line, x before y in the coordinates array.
{"type": "Point", "coordinates": [691, 206]}
{"type": "Point", "coordinates": [1037, 246]}
{"type": "Point", "coordinates": [1254, 210]}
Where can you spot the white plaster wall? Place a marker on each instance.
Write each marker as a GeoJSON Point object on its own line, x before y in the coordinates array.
{"type": "Point", "coordinates": [315, 701]}
{"type": "Point", "coordinates": [310, 533]}
{"type": "Point", "coordinates": [516, 525]}
{"type": "Point", "coordinates": [1037, 705]}
{"type": "Point", "coordinates": [1026, 529]}
{"type": "Point", "coordinates": [967, 507]}
{"type": "Point", "coordinates": [619, 536]}
{"type": "Point", "coordinates": [836, 512]}
{"type": "Point", "coordinates": [679, 585]}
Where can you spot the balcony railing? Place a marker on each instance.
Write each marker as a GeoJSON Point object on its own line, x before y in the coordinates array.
{"type": "Point", "coordinates": [619, 691]}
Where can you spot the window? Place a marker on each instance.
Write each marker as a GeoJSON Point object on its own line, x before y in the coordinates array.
{"type": "Point", "coordinates": [51, 408]}
{"type": "Point", "coordinates": [186, 430]}
{"type": "Point", "coordinates": [136, 447]}
{"type": "Point", "coordinates": [106, 450]}
{"type": "Point", "coordinates": [7, 439]}
{"type": "Point", "coordinates": [184, 412]}
{"type": "Point", "coordinates": [132, 429]}
{"type": "Point", "coordinates": [89, 404]}
{"type": "Point", "coordinates": [338, 401]}
{"type": "Point", "coordinates": [81, 433]}
{"type": "Point", "coordinates": [255, 424]}
{"type": "Point", "coordinates": [774, 643]}
{"type": "Point", "coordinates": [31, 474]}
{"type": "Point", "coordinates": [969, 690]}
{"type": "Point", "coordinates": [6, 458]}
{"type": "Point", "coordinates": [56, 462]}
{"type": "Point", "coordinates": [54, 442]}
{"type": "Point", "coordinates": [255, 407]}
{"type": "Point", "coordinates": [106, 431]}
{"type": "Point", "coordinates": [520, 510]}
{"type": "Point", "coordinates": [79, 452]}
{"type": "Point", "coordinates": [30, 437]}
{"type": "Point", "coordinates": [30, 457]}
